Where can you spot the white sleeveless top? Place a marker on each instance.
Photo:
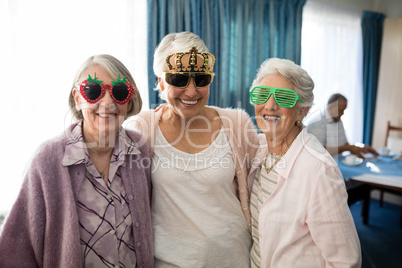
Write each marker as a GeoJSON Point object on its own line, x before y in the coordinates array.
{"type": "Point", "coordinates": [196, 215]}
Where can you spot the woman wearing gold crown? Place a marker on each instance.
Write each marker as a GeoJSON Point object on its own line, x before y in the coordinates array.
{"type": "Point", "coordinates": [201, 156]}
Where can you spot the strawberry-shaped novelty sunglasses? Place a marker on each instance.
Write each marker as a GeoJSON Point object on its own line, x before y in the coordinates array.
{"type": "Point", "coordinates": [92, 90]}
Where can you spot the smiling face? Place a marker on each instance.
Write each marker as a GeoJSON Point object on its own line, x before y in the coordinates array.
{"type": "Point", "coordinates": [103, 118]}
{"type": "Point", "coordinates": [178, 83]}
{"type": "Point", "coordinates": [186, 102]}
{"type": "Point", "coordinates": [275, 121]}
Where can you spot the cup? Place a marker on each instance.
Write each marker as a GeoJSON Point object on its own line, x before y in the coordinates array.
{"type": "Point", "coordinates": [350, 159]}
{"type": "Point", "coordinates": [384, 151]}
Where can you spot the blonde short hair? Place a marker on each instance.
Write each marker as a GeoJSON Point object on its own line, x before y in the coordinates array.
{"type": "Point", "coordinates": [114, 67]}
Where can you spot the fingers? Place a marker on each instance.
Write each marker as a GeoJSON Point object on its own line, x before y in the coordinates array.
{"type": "Point", "coordinates": [369, 149]}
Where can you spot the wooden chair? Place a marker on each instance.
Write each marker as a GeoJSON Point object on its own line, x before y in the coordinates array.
{"type": "Point", "coordinates": [395, 150]}
{"type": "Point", "coordinates": [388, 137]}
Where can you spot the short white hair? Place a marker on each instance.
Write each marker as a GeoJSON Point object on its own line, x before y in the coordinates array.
{"type": "Point", "coordinates": [174, 43]}
{"type": "Point", "coordinates": [302, 81]}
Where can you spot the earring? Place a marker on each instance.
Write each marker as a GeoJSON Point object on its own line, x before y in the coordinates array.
{"type": "Point", "coordinates": [297, 123]}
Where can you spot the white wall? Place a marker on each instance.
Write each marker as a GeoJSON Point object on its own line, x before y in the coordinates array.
{"type": "Point", "coordinates": [391, 8]}
{"type": "Point", "coordinates": [40, 51]}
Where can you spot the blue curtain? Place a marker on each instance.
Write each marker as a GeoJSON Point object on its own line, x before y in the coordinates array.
{"type": "Point", "coordinates": [372, 27]}
{"type": "Point", "coordinates": [241, 34]}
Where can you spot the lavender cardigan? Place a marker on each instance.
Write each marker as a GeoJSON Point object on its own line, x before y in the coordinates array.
{"type": "Point", "coordinates": [42, 228]}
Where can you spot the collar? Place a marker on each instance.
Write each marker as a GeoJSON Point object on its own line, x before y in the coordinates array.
{"type": "Point", "coordinates": [76, 151]}
{"type": "Point", "coordinates": [292, 154]}
{"type": "Point", "coordinates": [285, 165]}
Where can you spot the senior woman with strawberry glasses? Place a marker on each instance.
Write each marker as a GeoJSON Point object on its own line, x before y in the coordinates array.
{"type": "Point", "coordinates": [201, 156]}
{"type": "Point", "coordinates": [300, 216]}
{"type": "Point", "coordinates": [85, 201]}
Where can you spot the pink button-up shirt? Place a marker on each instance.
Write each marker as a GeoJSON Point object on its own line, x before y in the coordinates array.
{"type": "Point", "coordinates": [306, 221]}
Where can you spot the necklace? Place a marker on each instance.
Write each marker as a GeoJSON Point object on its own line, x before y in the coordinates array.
{"type": "Point", "coordinates": [181, 142]}
{"type": "Point", "coordinates": [103, 170]}
{"type": "Point", "coordinates": [102, 174]}
{"type": "Point", "coordinates": [280, 156]}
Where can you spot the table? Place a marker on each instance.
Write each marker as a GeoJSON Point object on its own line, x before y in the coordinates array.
{"type": "Point", "coordinates": [374, 173]}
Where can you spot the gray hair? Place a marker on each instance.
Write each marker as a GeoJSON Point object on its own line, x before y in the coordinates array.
{"type": "Point", "coordinates": [114, 68]}
{"type": "Point", "coordinates": [173, 43]}
{"type": "Point", "coordinates": [294, 73]}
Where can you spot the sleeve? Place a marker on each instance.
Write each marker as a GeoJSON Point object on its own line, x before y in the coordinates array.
{"type": "Point", "coordinates": [144, 123]}
{"type": "Point", "coordinates": [330, 221]}
{"type": "Point", "coordinates": [250, 143]}
{"type": "Point", "coordinates": [140, 122]}
{"type": "Point", "coordinates": [22, 239]}
{"type": "Point", "coordinates": [147, 167]}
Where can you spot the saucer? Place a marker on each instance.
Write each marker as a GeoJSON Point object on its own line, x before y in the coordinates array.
{"type": "Point", "coordinates": [390, 154]}
{"type": "Point", "coordinates": [357, 162]}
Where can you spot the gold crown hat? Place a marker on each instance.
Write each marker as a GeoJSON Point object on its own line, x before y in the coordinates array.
{"type": "Point", "coordinates": [191, 61]}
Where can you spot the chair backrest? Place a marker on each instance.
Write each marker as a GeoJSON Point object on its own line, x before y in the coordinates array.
{"type": "Point", "coordinates": [393, 142]}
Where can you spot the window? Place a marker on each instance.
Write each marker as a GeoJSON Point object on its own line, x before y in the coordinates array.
{"type": "Point", "coordinates": [43, 44]}
{"type": "Point", "coordinates": [332, 54]}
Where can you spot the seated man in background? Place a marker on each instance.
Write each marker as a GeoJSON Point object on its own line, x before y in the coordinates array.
{"type": "Point", "coordinates": [327, 126]}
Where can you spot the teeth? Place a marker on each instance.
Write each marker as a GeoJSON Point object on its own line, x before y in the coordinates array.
{"type": "Point", "coordinates": [189, 102]}
{"type": "Point", "coordinates": [268, 117]}
{"type": "Point", "coordinates": [106, 115]}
